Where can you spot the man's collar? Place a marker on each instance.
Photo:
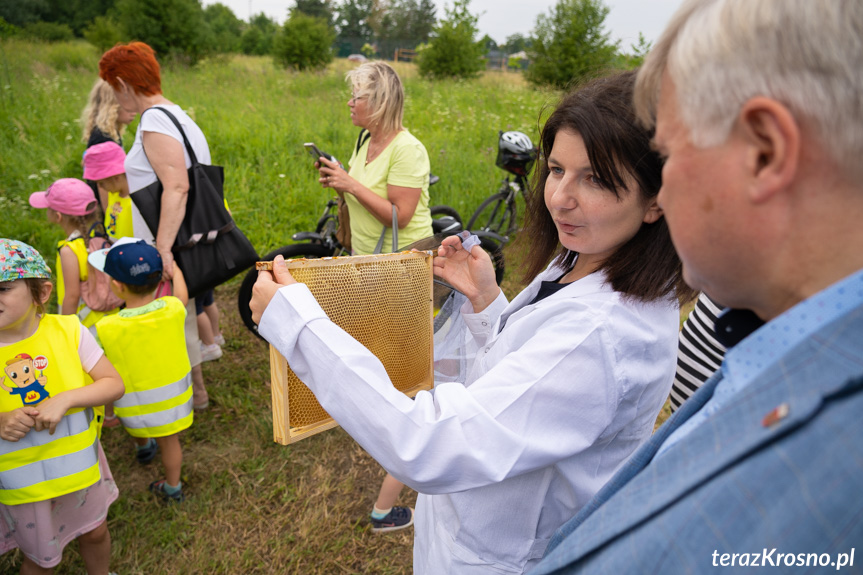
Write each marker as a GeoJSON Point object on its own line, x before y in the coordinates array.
{"type": "Point", "coordinates": [734, 325]}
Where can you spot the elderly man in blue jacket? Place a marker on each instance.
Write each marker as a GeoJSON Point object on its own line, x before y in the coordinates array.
{"type": "Point", "coordinates": [758, 109]}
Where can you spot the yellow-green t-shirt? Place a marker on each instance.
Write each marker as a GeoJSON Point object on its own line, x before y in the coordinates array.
{"type": "Point", "coordinates": [404, 162]}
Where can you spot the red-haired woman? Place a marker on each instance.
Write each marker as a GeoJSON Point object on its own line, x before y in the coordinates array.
{"type": "Point", "coordinates": [158, 154]}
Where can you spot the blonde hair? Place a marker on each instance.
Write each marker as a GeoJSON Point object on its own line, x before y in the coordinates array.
{"type": "Point", "coordinates": [101, 112]}
{"type": "Point", "coordinates": [803, 53]}
{"type": "Point", "coordinates": [82, 223]}
{"type": "Point", "coordinates": [378, 82]}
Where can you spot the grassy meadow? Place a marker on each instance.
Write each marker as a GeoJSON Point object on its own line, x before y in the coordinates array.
{"type": "Point", "coordinates": [253, 506]}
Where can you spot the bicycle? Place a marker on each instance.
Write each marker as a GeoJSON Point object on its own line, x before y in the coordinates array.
{"type": "Point", "coordinates": [497, 213]}
{"type": "Point", "coordinates": [323, 243]}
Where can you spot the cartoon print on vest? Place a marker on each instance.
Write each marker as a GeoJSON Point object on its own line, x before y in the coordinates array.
{"type": "Point", "coordinates": [21, 371]}
{"type": "Point", "coordinates": [111, 228]}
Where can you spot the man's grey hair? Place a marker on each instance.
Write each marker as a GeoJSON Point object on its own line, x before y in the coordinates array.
{"type": "Point", "coordinates": [807, 54]}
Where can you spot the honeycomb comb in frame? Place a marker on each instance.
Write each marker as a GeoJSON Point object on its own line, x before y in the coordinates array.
{"type": "Point", "coordinates": [385, 302]}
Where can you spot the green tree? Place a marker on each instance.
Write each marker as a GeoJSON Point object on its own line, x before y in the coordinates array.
{"type": "Point", "coordinates": [225, 28]}
{"type": "Point", "coordinates": [258, 38]}
{"type": "Point", "coordinates": [22, 12]}
{"type": "Point", "coordinates": [515, 43]}
{"type": "Point", "coordinates": [488, 43]}
{"type": "Point", "coordinates": [353, 27]}
{"type": "Point", "coordinates": [569, 43]}
{"type": "Point", "coordinates": [305, 42]}
{"type": "Point", "coordinates": [453, 51]}
{"type": "Point", "coordinates": [103, 33]}
{"type": "Point", "coordinates": [315, 8]}
{"type": "Point", "coordinates": [173, 28]}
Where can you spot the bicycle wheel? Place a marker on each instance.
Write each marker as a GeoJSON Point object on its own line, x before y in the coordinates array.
{"type": "Point", "coordinates": [494, 215]}
{"type": "Point", "coordinates": [446, 219]}
{"type": "Point", "coordinates": [288, 252]}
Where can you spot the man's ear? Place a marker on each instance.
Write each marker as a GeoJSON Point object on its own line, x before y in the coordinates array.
{"type": "Point", "coordinates": [774, 137]}
{"type": "Point", "coordinates": [653, 213]}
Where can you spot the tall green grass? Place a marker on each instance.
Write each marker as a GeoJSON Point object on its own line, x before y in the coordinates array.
{"type": "Point", "coordinates": [256, 118]}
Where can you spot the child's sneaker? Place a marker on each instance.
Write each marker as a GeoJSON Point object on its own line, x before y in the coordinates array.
{"type": "Point", "coordinates": [210, 352]}
{"type": "Point", "coordinates": [397, 518]}
{"type": "Point", "coordinates": [219, 339]}
{"type": "Point", "coordinates": [146, 454]}
{"type": "Point", "coordinates": [158, 487]}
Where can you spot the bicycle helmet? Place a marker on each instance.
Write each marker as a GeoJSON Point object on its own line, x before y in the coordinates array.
{"type": "Point", "coordinates": [515, 153]}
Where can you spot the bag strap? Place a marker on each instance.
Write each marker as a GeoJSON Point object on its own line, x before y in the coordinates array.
{"type": "Point", "coordinates": [189, 149]}
{"type": "Point", "coordinates": [362, 139]}
{"type": "Point", "coordinates": [395, 229]}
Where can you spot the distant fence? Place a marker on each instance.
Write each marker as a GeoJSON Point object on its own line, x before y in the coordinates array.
{"type": "Point", "coordinates": [404, 55]}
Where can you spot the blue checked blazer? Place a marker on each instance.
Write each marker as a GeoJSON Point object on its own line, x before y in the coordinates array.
{"type": "Point", "coordinates": [739, 483]}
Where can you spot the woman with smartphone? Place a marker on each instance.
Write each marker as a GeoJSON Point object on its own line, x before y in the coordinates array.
{"type": "Point", "coordinates": [389, 167]}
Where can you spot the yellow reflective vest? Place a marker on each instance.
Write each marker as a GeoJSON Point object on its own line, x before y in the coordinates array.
{"type": "Point", "coordinates": [149, 351]}
{"type": "Point", "coordinates": [41, 466]}
{"type": "Point", "coordinates": [78, 245]}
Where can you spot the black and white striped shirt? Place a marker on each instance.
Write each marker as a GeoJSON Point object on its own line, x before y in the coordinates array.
{"type": "Point", "coordinates": [699, 353]}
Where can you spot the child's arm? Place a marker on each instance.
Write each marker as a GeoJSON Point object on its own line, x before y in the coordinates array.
{"type": "Point", "coordinates": [16, 423]}
{"type": "Point", "coordinates": [178, 284]}
{"type": "Point", "coordinates": [72, 281]}
{"type": "Point", "coordinates": [107, 387]}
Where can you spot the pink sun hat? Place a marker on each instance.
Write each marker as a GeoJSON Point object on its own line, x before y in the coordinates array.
{"type": "Point", "coordinates": [103, 161]}
{"type": "Point", "coordinates": [68, 196]}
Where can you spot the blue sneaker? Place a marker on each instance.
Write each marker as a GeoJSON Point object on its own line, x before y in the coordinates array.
{"type": "Point", "coordinates": [397, 518]}
{"type": "Point", "coordinates": [146, 454]}
{"type": "Point", "coordinates": [158, 487]}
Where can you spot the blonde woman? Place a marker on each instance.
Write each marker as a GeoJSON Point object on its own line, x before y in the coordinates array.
{"type": "Point", "coordinates": [389, 166]}
{"type": "Point", "coordinates": [103, 120]}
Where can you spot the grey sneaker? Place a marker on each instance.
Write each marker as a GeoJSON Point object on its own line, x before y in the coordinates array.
{"type": "Point", "coordinates": [397, 518]}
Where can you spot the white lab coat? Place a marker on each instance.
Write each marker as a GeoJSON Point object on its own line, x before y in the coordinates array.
{"type": "Point", "coordinates": [551, 407]}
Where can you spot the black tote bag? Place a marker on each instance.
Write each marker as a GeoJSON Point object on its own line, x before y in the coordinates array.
{"type": "Point", "coordinates": [210, 249]}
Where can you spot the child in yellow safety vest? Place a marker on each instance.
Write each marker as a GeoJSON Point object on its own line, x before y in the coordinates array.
{"type": "Point", "coordinates": [55, 484]}
{"type": "Point", "coordinates": [146, 342]}
{"type": "Point", "coordinates": [103, 164]}
{"type": "Point", "coordinates": [72, 206]}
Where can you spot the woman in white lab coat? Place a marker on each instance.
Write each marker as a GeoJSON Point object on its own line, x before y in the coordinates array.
{"type": "Point", "coordinates": [566, 380]}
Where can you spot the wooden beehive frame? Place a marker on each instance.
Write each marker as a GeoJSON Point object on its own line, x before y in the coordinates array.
{"type": "Point", "coordinates": [291, 396]}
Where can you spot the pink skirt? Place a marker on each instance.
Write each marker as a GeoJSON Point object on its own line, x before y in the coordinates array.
{"type": "Point", "coordinates": [42, 529]}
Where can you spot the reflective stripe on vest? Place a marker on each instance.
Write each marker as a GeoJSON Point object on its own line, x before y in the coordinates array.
{"type": "Point", "coordinates": [152, 412]}
{"type": "Point", "coordinates": [42, 466]}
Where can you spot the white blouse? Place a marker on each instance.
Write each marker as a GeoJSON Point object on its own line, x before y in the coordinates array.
{"type": "Point", "coordinates": [139, 172]}
{"type": "Point", "coordinates": [550, 408]}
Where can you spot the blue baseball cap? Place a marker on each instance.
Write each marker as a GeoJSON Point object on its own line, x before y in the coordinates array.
{"type": "Point", "coordinates": [130, 261]}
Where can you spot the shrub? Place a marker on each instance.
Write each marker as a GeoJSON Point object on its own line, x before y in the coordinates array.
{"type": "Point", "coordinates": [569, 44]}
{"type": "Point", "coordinates": [7, 30]}
{"type": "Point", "coordinates": [304, 43]}
{"type": "Point", "coordinates": [103, 33]}
{"type": "Point", "coordinates": [48, 32]}
{"type": "Point", "coordinates": [453, 52]}
{"type": "Point", "coordinates": [175, 29]}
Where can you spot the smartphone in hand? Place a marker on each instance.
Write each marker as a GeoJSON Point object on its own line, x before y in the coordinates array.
{"type": "Point", "coordinates": [316, 152]}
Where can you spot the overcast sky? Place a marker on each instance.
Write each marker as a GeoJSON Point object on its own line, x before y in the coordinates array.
{"type": "Point", "coordinates": [502, 18]}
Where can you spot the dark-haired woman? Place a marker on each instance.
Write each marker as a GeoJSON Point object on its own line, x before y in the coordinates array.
{"type": "Point", "coordinates": [565, 381]}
